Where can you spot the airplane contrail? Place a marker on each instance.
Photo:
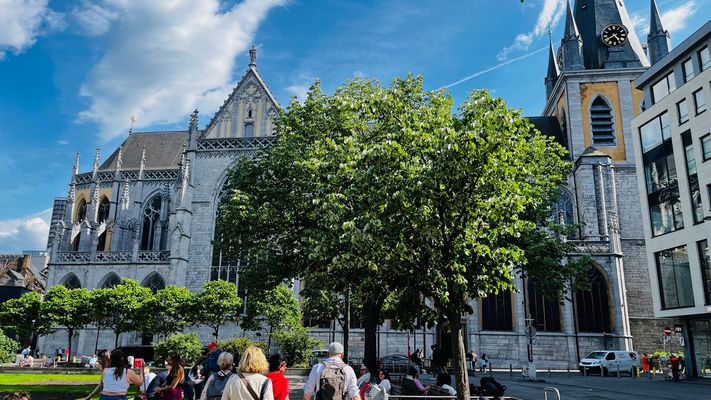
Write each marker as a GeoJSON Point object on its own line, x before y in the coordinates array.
{"type": "Point", "coordinates": [495, 67]}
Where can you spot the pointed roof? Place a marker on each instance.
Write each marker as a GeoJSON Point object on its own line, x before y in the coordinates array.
{"type": "Point", "coordinates": [553, 68]}
{"type": "Point", "coordinates": [571, 27]}
{"type": "Point", "coordinates": [655, 21]}
{"type": "Point", "coordinates": [163, 151]}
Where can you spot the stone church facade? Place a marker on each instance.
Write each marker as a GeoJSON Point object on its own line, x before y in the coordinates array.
{"type": "Point", "coordinates": [148, 211]}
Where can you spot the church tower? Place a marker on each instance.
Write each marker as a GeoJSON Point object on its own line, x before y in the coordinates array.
{"type": "Point", "coordinates": [658, 38]}
{"type": "Point", "coordinates": [589, 108]}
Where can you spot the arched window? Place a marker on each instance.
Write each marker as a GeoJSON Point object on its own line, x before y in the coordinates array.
{"type": "Point", "coordinates": [76, 242]}
{"type": "Point", "coordinates": [544, 311]}
{"type": "Point", "coordinates": [81, 211]}
{"type": "Point", "coordinates": [593, 306]}
{"type": "Point", "coordinates": [603, 127]}
{"type": "Point", "coordinates": [564, 212]}
{"type": "Point", "coordinates": [104, 208]}
{"type": "Point", "coordinates": [152, 233]}
{"type": "Point", "coordinates": [70, 281]}
{"type": "Point", "coordinates": [496, 312]}
{"type": "Point", "coordinates": [154, 282]}
{"type": "Point", "coordinates": [109, 281]}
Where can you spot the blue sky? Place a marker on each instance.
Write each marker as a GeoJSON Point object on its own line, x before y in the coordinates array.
{"type": "Point", "coordinates": [73, 72]}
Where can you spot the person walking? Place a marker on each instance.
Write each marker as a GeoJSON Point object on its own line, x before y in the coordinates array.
{"type": "Point", "coordinates": [172, 390]}
{"type": "Point", "coordinates": [117, 378]}
{"type": "Point", "coordinates": [249, 383]}
{"type": "Point", "coordinates": [332, 379]}
{"type": "Point", "coordinates": [215, 384]}
{"type": "Point", "coordinates": [211, 363]}
{"type": "Point", "coordinates": [280, 385]}
{"type": "Point", "coordinates": [645, 363]}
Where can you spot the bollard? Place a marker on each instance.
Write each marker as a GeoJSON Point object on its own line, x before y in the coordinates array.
{"type": "Point", "coordinates": [649, 373]}
{"type": "Point", "coordinates": [618, 372]}
{"type": "Point", "coordinates": [568, 368]}
{"type": "Point", "coordinates": [510, 371]}
{"type": "Point", "coordinates": [549, 372]}
{"type": "Point", "coordinates": [585, 372]}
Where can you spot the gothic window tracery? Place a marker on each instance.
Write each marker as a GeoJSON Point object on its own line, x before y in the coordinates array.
{"type": "Point", "coordinates": [601, 121]}
{"type": "Point", "coordinates": [81, 211]}
{"type": "Point", "coordinates": [545, 311]}
{"type": "Point", "coordinates": [104, 208]}
{"type": "Point", "coordinates": [593, 306]}
{"type": "Point", "coordinates": [154, 282]}
{"type": "Point", "coordinates": [153, 231]}
{"type": "Point", "coordinates": [109, 281]}
{"type": "Point", "coordinates": [70, 281]}
{"type": "Point", "coordinates": [496, 312]}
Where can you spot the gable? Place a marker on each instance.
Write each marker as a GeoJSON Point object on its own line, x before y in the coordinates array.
{"type": "Point", "coordinates": [249, 111]}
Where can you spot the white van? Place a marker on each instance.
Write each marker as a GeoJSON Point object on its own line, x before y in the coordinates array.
{"type": "Point", "coordinates": [607, 362]}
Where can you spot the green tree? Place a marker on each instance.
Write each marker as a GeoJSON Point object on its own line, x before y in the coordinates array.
{"type": "Point", "coordinates": [238, 345]}
{"type": "Point", "coordinates": [119, 308]}
{"type": "Point", "coordinates": [296, 345]}
{"type": "Point", "coordinates": [68, 309]}
{"type": "Point", "coordinates": [24, 317]}
{"type": "Point", "coordinates": [384, 190]}
{"type": "Point", "coordinates": [8, 348]}
{"type": "Point", "coordinates": [187, 346]}
{"type": "Point", "coordinates": [216, 304]}
{"type": "Point", "coordinates": [167, 312]}
{"type": "Point", "coordinates": [276, 308]}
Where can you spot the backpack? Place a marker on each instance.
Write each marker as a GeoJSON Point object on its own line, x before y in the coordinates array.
{"type": "Point", "coordinates": [491, 387]}
{"type": "Point", "coordinates": [217, 386]}
{"type": "Point", "coordinates": [332, 383]}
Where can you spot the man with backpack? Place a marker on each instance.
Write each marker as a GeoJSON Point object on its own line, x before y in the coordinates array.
{"type": "Point", "coordinates": [332, 379]}
{"type": "Point", "coordinates": [218, 380]}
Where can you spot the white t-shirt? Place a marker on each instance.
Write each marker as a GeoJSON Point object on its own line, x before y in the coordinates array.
{"type": "Point", "coordinates": [451, 390]}
{"type": "Point", "coordinates": [147, 381]}
{"type": "Point", "coordinates": [386, 385]}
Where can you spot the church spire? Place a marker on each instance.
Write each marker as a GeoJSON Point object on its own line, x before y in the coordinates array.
{"type": "Point", "coordinates": [553, 70]}
{"type": "Point", "coordinates": [97, 163]}
{"type": "Point", "coordinates": [253, 56]}
{"type": "Point", "coordinates": [658, 38]}
{"type": "Point", "coordinates": [572, 44]}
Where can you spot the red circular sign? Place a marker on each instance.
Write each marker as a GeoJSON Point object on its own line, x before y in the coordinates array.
{"type": "Point", "coordinates": [667, 331]}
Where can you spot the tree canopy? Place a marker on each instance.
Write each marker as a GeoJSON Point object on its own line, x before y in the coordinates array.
{"type": "Point", "coordinates": [217, 304]}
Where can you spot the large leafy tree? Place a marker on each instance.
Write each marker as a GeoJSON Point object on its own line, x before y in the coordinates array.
{"type": "Point", "coordinates": [216, 304]}
{"type": "Point", "coordinates": [24, 317]}
{"type": "Point", "coordinates": [68, 309]}
{"type": "Point", "coordinates": [167, 312]}
{"type": "Point", "coordinates": [119, 308]}
{"type": "Point", "coordinates": [277, 309]}
{"type": "Point", "coordinates": [384, 190]}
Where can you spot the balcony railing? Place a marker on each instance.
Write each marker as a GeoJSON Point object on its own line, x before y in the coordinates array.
{"type": "Point", "coordinates": [112, 257]}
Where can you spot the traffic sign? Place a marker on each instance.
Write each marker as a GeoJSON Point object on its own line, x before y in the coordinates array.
{"type": "Point", "coordinates": [678, 328]}
{"type": "Point", "coordinates": [667, 331]}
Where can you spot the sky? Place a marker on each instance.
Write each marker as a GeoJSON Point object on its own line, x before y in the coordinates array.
{"type": "Point", "coordinates": [73, 72]}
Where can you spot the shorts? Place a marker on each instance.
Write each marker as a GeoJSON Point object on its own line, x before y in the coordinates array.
{"type": "Point", "coordinates": [105, 397]}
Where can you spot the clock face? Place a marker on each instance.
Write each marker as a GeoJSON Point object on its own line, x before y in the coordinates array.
{"type": "Point", "coordinates": [614, 35]}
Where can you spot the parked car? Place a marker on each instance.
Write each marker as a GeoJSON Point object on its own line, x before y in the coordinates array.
{"type": "Point", "coordinates": [395, 363]}
{"type": "Point", "coordinates": [318, 356]}
{"type": "Point", "coordinates": [607, 362]}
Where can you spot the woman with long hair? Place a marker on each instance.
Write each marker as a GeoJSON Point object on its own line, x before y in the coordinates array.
{"type": "Point", "coordinates": [118, 377]}
{"type": "Point", "coordinates": [250, 384]}
{"type": "Point", "coordinates": [103, 360]}
{"type": "Point", "coordinates": [175, 378]}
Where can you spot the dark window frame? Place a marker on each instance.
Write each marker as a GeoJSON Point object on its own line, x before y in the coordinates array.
{"type": "Point", "coordinates": [592, 307]}
{"type": "Point", "coordinates": [705, 266]}
{"type": "Point", "coordinates": [696, 101]}
{"type": "Point", "coordinates": [682, 119]}
{"type": "Point", "coordinates": [704, 152]}
{"type": "Point", "coordinates": [702, 66]}
{"type": "Point", "coordinates": [692, 178]}
{"type": "Point", "coordinates": [544, 311]}
{"type": "Point", "coordinates": [685, 72]}
{"type": "Point", "coordinates": [497, 312]}
{"type": "Point", "coordinates": [660, 282]}
{"type": "Point", "coordinates": [668, 78]}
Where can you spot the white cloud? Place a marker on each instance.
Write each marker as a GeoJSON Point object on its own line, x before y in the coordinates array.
{"type": "Point", "coordinates": [550, 15]}
{"type": "Point", "coordinates": [675, 19]}
{"type": "Point", "coordinates": [165, 59]}
{"type": "Point", "coordinates": [300, 91]}
{"type": "Point", "coordinates": [94, 19]}
{"type": "Point", "coordinates": [640, 24]}
{"type": "Point", "coordinates": [26, 233]}
{"type": "Point", "coordinates": [22, 21]}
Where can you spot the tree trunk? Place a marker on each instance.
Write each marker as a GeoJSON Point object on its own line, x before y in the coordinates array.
{"type": "Point", "coordinates": [96, 345]}
{"type": "Point", "coordinates": [371, 317]}
{"type": "Point", "coordinates": [216, 332]}
{"type": "Point", "coordinates": [460, 366]}
{"type": "Point", "coordinates": [347, 326]}
{"type": "Point", "coordinates": [71, 334]}
{"type": "Point", "coordinates": [117, 338]}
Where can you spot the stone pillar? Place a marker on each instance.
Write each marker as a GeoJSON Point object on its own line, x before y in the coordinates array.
{"type": "Point", "coordinates": [601, 202]}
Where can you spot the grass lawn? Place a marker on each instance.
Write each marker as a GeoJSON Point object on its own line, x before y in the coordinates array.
{"type": "Point", "coordinates": [51, 386]}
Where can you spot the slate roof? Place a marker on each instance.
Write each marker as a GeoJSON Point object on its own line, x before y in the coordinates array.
{"type": "Point", "coordinates": [163, 151]}
{"type": "Point", "coordinates": [551, 127]}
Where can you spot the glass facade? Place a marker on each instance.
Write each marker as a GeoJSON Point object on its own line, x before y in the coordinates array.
{"type": "Point", "coordinates": [705, 261]}
{"type": "Point", "coordinates": [704, 58]}
{"type": "Point", "coordinates": [694, 189]}
{"type": "Point", "coordinates": [688, 69]}
{"type": "Point", "coordinates": [683, 109]}
{"type": "Point", "coordinates": [674, 277]}
{"type": "Point", "coordinates": [701, 342]}
{"type": "Point", "coordinates": [662, 88]}
{"type": "Point", "coordinates": [661, 176]}
{"type": "Point", "coordinates": [699, 101]}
